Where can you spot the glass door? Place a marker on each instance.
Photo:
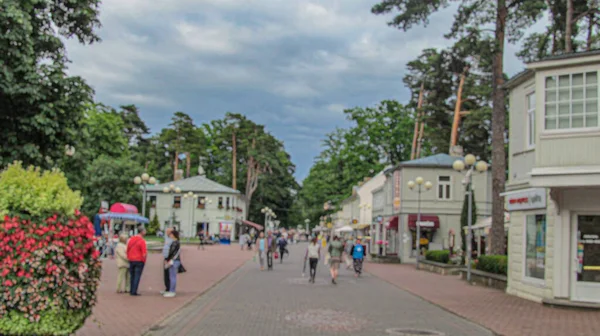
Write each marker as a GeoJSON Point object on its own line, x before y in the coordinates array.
{"type": "Point", "coordinates": [587, 259]}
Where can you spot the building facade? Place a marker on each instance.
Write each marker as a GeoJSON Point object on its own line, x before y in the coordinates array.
{"type": "Point", "coordinates": [553, 187]}
{"type": "Point", "coordinates": [441, 206]}
{"type": "Point", "coordinates": [216, 209]}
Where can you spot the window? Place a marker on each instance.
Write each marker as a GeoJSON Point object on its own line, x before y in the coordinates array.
{"type": "Point", "coordinates": [201, 202]}
{"type": "Point", "coordinates": [531, 120]}
{"type": "Point", "coordinates": [152, 201]}
{"type": "Point", "coordinates": [444, 188]}
{"type": "Point", "coordinates": [571, 101]}
{"type": "Point", "coordinates": [535, 247]}
{"type": "Point", "coordinates": [176, 201]}
{"type": "Point", "coordinates": [227, 202]}
{"type": "Point", "coordinates": [220, 202]}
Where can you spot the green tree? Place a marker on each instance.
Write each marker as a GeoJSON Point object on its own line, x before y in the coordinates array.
{"type": "Point", "coordinates": [40, 105]}
{"type": "Point", "coordinates": [110, 179]}
{"type": "Point", "coordinates": [509, 19]}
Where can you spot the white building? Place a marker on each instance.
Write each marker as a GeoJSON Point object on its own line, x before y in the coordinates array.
{"type": "Point", "coordinates": [553, 189]}
{"type": "Point", "coordinates": [441, 207]}
{"type": "Point", "coordinates": [215, 208]}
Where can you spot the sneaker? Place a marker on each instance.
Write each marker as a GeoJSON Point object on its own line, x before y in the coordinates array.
{"type": "Point", "coordinates": [163, 292]}
{"type": "Point", "coordinates": [169, 294]}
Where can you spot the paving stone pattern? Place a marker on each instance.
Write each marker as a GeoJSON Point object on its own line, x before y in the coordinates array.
{"type": "Point", "coordinates": [282, 302]}
{"type": "Point", "coordinates": [124, 315]}
{"type": "Point", "coordinates": [504, 314]}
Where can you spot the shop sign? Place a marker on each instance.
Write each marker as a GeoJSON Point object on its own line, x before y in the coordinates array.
{"type": "Point", "coordinates": [426, 224]}
{"type": "Point", "coordinates": [525, 200]}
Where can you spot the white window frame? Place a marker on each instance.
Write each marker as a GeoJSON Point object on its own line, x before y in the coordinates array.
{"type": "Point", "coordinates": [531, 126]}
{"type": "Point", "coordinates": [556, 102]}
{"type": "Point", "coordinates": [444, 183]}
{"type": "Point", "coordinates": [526, 279]}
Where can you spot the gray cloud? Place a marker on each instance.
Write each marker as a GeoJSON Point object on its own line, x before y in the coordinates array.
{"type": "Point", "coordinates": [293, 65]}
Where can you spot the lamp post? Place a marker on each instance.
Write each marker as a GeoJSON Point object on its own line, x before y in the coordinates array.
{"type": "Point", "coordinates": [419, 183]}
{"type": "Point", "coordinates": [144, 180]}
{"type": "Point", "coordinates": [269, 214]}
{"type": "Point", "coordinates": [171, 189]}
{"type": "Point", "coordinates": [205, 202]}
{"type": "Point", "coordinates": [470, 164]}
{"type": "Point", "coordinates": [192, 197]}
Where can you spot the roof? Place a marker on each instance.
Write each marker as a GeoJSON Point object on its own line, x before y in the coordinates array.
{"type": "Point", "coordinates": [195, 184]}
{"type": "Point", "coordinates": [518, 79]}
{"type": "Point", "coordinates": [434, 161]}
{"type": "Point", "coordinates": [568, 56]}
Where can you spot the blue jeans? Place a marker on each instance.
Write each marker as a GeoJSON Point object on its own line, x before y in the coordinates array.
{"type": "Point", "coordinates": [173, 275]}
{"type": "Point", "coordinates": [135, 272]}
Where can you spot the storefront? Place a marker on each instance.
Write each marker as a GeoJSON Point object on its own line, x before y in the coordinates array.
{"type": "Point", "coordinates": [429, 225]}
{"type": "Point", "coordinates": [554, 244]}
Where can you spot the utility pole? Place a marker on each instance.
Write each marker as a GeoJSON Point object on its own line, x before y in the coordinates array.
{"type": "Point", "coordinates": [457, 112]}
{"type": "Point", "coordinates": [417, 117]}
{"type": "Point", "coordinates": [189, 164]}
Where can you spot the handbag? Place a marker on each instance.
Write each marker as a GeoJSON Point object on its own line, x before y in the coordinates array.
{"type": "Point", "coordinates": [276, 255]}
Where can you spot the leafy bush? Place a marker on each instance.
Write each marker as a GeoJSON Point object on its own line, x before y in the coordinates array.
{"type": "Point", "coordinates": [49, 267]}
{"type": "Point", "coordinates": [154, 225]}
{"type": "Point", "coordinates": [496, 264]}
{"type": "Point", "coordinates": [438, 256]}
{"type": "Point", "coordinates": [33, 192]}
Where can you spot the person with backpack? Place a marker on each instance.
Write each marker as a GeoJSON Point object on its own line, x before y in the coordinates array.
{"type": "Point", "coordinates": [358, 256]}
{"type": "Point", "coordinates": [336, 249]}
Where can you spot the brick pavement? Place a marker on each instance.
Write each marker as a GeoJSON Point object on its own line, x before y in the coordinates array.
{"type": "Point", "coordinates": [282, 302]}
{"type": "Point", "coordinates": [504, 314]}
{"type": "Point", "coordinates": [123, 315]}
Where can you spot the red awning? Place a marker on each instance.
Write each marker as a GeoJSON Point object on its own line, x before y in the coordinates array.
{"type": "Point", "coordinates": [428, 222]}
{"type": "Point", "coordinates": [254, 225]}
{"type": "Point", "coordinates": [393, 223]}
{"type": "Point", "coordinates": [123, 208]}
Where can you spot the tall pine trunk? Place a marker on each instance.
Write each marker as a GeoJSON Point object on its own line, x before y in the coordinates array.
{"type": "Point", "coordinates": [498, 130]}
{"type": "Point", "coordinates": [569, 27]}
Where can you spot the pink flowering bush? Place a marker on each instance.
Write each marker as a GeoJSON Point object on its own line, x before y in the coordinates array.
{"type": "Point", "coordinates": [49, 266]}
{"type": "Point", "coordinates": [382, 242]}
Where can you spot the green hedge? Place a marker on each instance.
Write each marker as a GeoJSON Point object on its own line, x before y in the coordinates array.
{"type": "Point", "coordinates": [438, 256]}
{"type": "Point", "coordinates": [496, 264]}
{"type": "Point", "coordinates": [52, 322]}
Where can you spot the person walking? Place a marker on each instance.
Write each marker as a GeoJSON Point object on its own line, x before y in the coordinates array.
{"type": "Point", "coordinates": [271, 248]}
{"type": "Point", "coordinates": [261, 250]}
{"type": "Point", "coordinates": [201, 237]}
{"type": "Point", "coordinates": [123, 282]}
{"type": "Point", "coordinates": [249, 241]}
{"type": "Point", "coordinates": [242, 241]}
{"type": "Point", "coordinates": [282, 248]}
{"type": "Point", "coordinates": [336, 249]}
{"type": "Point", "coordinates": [313, 254]}
{"type": "Point", "coordinates": [358, 256]}
{"type": "Point", "coordinates": [348, 252]}
{"type": "Point", "coordinates": [172, 263]}
{"type": "Point", "coordinates": [165, 253]}
{"type": "Point", "coordinates": [136, 254]}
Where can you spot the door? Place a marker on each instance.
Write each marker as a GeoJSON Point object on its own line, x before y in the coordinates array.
{"type": "Point", "coordinates": [586, 264]}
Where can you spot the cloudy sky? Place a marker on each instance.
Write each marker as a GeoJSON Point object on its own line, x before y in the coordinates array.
{"type": "Point", "coordinates": [293, 65]}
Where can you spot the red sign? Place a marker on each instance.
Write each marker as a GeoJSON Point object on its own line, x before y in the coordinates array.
{"type": "Point", "coordinates": [396, 190]}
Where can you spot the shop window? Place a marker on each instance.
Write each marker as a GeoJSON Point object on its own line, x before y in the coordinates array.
{"type": "Point", "coordinates": [535, 247]}
{"type": "Point", "coordinates": [444, 188]}
{"type": "Point", "coordinates": [176, 201]}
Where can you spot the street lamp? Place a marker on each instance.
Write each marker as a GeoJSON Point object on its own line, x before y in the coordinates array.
{"type": "Point", "coordinates": [306, 221]}
{"type": "Point", "coordinates": [267, 211]}
{"type": "Point", "coordinates": [469, 164]}
{"type": "Point", "coordinates": [419, 183]}
{"type": "Point", "coordinates": [144, 180]}
{"type": "Point", "coordinates": [192, 197]}
{"type": "Point", "coordinates": [171, 189]}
